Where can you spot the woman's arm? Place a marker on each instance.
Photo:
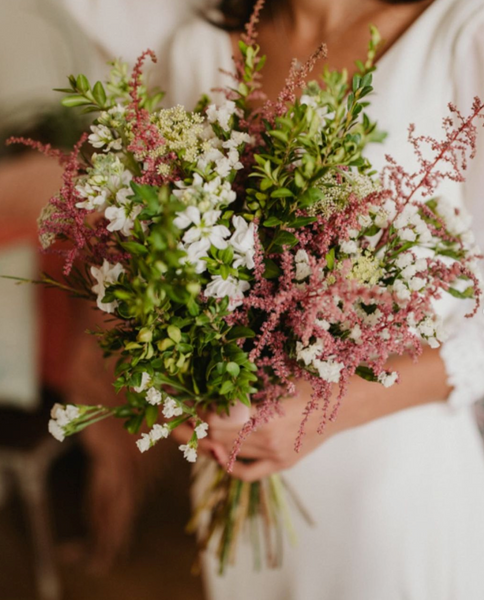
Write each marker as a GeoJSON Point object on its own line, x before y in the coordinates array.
{"type": "Point", "coordinates": [271, 447]}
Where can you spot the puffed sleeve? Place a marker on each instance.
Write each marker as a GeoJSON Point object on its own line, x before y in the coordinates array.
{"type": "Point", "coordinates": [463, 352]}
{"type": "Point", "coordinates": [199, 58]}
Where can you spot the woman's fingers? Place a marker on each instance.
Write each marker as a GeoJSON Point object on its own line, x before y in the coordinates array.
{"type": "Point", "coordinates": [254, 471]}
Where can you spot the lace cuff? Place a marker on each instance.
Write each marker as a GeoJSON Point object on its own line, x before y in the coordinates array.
{"type": "Point", "coordinates": [463, 356]}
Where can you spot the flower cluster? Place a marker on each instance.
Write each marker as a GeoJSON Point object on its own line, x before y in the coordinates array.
{"type": "Point", "coordinates": [239, 250]}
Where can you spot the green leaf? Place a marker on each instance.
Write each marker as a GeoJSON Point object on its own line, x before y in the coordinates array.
{"type": "Point", "coordinates": [174, 333]}
{"type": "Point", "coordinates": [282, 193]}
{"type": "Point", "coordinates": [366, 373]}
{"type": "Point", "coordinates": [227, 386]}
{"type": "Point", "coordinates": [99, 93]}
{"type": "Point", "coordinates": [285, 238]}
{"type": "Point", "coordinates": [82, 83]}
{"type": "Point", "coordinates": [133, 425]}
{"type": "Point", "coordinates": [134, 248]}
{"type": "Point", "coordinates": [272, 222]}
{"type": "Point", "coordinates": [233, 369]}
{"type": "Point", "coordinates": [74, 100]}
{"type": "Point", "coordinates": [272, 270]}
{"type": "Point", "coordinates": [240, 332]}
{"type": "Point", "coordinates": [302, 222]}
{"type": "Point", "coordinates": [151, 415]}
{"type": "Point", "coordinates": [310, 197]}
{"type": "Point", "coordinates": [466, 294]}
{"type": "Point", "coordinates": [279, 135]}
{"type": "Point", "coordinates": [330, 256]}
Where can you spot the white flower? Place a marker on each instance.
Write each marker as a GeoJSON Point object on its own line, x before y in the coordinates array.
{"type": "Point", "coordinates": [329, 370]}
{"type": "Point", "coordinates": [209, 157]}
{"type": "Point", "coordinates": [349, 247]}
{"type": "Point", "coordinates": [159, 432]}
{"type": "Point", "coordinates": [201, 430]}
{"type": "Point", "coordinates": [202, 232]}
{"type": "Point", "coordinates": [153, 396]}
{"type": "Point", "coordinates": [237, 138]}
{"type": "Point", "coordinates": [408, 235]}
{"type": "Point", "coordinates": [355, 333]}
{"type": "Point", "coordinates": [365, 221]}
{"type": "Point", "coordinates": [144, 443]}
{"type": "Point", "coordinates": [322, 323]}
{"type": "Point", "coordinates": [427, 327]}
{"type": "Point", "coordinates": [189, 452]}
{"type": "Point", "coordinates": [405, 217]}
{"type": "Point", "coordinates": [404, 260]}
{"type": "Point", "coordinates": [421, 265]}
{"type": "Point", "coordinates": [303, 268]}
{"type": "Point", "coordinates": [222, 114]}
{"type": "Point", "coordinates": [206, 195]}
{"type": "Point", "coordinates": [308, 354]}
{"type": "Point", "coordinates": [72, 412]}
{"type": "Point", "coordinates": [231, 287]}
{"type": "Point", "coordinates": [388, 379]}
{"type": "Point", "coordinates": [171, 408]}
{"type": "Point", "coordinates": [401, 290]}
{"type": "Point", "coordinates": [145, 381]}
{"type": "Point", "coordinates": [409, 272]}
{"type": "Point", "coordinates": [417, 283]}
{"type": "Point", "coordinates": [148, 440]}
{"type": "Point", "coordinates": [103, 136]}
{"type": "Point", "coordinates": [105, 276]}
{"type": "Point", "coordinates": [386, 214]}
{"type": "Point", "coordinates": [59, 414]}
{"type": "Point", "coordinates": [457, 221]}
{"type": "Point", "coordinates": [56, 430]}
{"type": "Point", "coordinates": [122, 218]}
{"type": "Point", "coordinates": [95, 197]}
{"type": "Point", "coordinates": [243, 242]}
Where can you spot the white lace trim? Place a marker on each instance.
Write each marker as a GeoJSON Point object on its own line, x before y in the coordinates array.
{"type": "Point", "coordinates": [463, 355]}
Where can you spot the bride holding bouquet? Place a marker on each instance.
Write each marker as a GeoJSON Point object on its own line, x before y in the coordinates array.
{"type": "Point", "coordinates": [395, 487]}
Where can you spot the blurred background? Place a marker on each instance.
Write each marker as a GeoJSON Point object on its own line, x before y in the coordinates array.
{"type": "Point", "coordinates": [91, 517]}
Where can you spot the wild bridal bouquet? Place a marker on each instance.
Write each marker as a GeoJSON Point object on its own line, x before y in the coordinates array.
{"type": "Point", "coordinates": [239, 248]}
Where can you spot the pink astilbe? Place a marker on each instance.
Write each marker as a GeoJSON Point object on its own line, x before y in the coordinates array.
{"type": "Point", "coordinates": [147, 139]}
{"type": "Point", "coordinates": [296, 80]}
{"type": "Point", "coordinates": [67, 221]}
{"type": "Point", "coordinates": [45, 149]}
{"type": "Point", "coordinates": [453, 152]}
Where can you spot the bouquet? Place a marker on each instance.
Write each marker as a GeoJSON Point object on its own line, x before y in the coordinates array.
{"type": "Point", "coordinates": [238, 248]}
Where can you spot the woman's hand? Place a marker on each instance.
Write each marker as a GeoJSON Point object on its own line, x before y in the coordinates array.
{"type": "Point", "coordinates": [267, 450]}
{"type": "Point", "coordinates": [271, 447]}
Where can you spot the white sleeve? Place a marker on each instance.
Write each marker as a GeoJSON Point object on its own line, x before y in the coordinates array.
{"type": "Point", "coordinates": [197, 54]}
{"type": "Point", "coordinates": [463, 352]}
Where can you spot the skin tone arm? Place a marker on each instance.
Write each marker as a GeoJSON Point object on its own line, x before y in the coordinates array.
{"type": "Point", "coordinates": [271, 447]}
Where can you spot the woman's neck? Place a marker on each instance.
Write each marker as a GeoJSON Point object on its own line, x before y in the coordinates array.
{"type": "Point", "coordinates": [307, 19]}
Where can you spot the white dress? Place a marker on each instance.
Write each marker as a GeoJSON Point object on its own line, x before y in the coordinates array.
{"type": "Point", "coordinates": [399, 502]}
